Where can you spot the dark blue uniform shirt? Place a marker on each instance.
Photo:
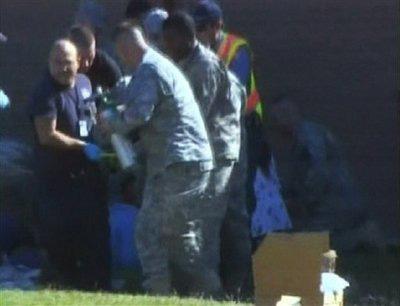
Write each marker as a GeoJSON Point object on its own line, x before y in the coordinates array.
{"type": "Point", "coordinates": [66, 105]}
{"type": "Point", "coordinates": [104, 71]}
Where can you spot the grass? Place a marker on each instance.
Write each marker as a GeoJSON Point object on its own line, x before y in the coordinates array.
{"type": "Point", "coordinates": [374, 277]}
{"type": "Point", "coordinates": [75, 298]}
{"type": "Point", "coordinates": [374, 281]}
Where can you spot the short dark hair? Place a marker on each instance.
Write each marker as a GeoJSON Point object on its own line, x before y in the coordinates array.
{"type": "Point", "coordinates": [181, 22]}
{"type": "Point", "coordinates": [81, 36]}
{"type": "Point", "coordinates": [136, 8]}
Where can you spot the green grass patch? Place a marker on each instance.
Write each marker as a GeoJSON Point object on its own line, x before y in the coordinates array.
{"type": "Point", "coordinates": [75, 298]}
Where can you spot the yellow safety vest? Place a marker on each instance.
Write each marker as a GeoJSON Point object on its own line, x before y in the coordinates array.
{"type": "Point", "coordinates": [227, 52]}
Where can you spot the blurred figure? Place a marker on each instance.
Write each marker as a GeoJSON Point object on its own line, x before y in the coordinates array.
{"type": "Point", "coordinates": [91, 14]}
{"type": "Point", "coordinates": [171, 228]}
{"type": "Point", "coordinates": [4, 100]}
{"type": "Point", "coordinates": [16, 188]}
{"type": "Point", "coordinates": [222, 112]}
{"type": "Point", "coordinates": [152, 26]}
{"type": "Point", "coordinates": [72, 212]}
{"type": "Point", "coordinates": [173, 6]}
{"type": "Point", "coordinates": [235, 51]}
{"type": "Point", "coordinates": [317, 185]}
{"type": "Point", "coordinates": [123, 218]}
{"type": "Point", "coordinates": [96, 64]}
{"type": "Point", "coordinates": [3, 38]}
{"type": "Point", "coordinates": [137, 10]}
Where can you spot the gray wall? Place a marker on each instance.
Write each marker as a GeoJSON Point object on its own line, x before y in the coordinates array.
{"type": "Point", "coordinates": [336, 57]}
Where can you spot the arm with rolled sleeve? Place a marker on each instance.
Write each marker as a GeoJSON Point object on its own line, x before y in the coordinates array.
{"type": "Point", "coordinates": [44, 114]}
{"type": "Point", "coordinates": [141, 99]}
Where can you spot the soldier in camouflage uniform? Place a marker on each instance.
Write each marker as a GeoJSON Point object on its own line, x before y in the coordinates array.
{"type": "Point", "coordinates": [171, 230]}
{"type": "Point", "coordinates": [222, 110]}
{"type": "Point", "coordinates": [235, 233]}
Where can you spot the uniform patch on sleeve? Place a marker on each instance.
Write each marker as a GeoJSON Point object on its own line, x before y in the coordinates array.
{"type": "Point", "coordinates": [85, 93]}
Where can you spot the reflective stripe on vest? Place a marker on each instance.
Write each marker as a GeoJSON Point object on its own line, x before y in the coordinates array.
{"type": "Point", "coordinates": [227, 52]}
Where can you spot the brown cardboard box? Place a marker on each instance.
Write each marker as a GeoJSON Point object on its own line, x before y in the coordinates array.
{"type": "Point", "coordinates": [290, 264]}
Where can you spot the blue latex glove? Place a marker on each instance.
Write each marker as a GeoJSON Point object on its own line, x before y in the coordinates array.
{"type": "Point", "coordinates": [4, 100]}
{"type": "Point", "coordinates": [92, 152]}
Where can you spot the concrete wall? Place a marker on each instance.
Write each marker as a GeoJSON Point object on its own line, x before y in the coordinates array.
{"type": "Point", "coordinates": [336, 57]}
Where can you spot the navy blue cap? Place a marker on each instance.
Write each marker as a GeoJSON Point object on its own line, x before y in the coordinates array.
{"type": "Point", "coordinates": [206, 12]}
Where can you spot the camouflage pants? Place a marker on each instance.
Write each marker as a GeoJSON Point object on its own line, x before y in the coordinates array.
{"type": "Point", "coordinates": [175, 235]}
{"type": "Point", "coordinates": [228, 187]}
{"type": "Point", "coordinates": [235, 238]}
{"type": "Point", "coordinates": [220, 178]}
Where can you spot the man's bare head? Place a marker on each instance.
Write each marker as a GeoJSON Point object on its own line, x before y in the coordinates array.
{"type": "Point", "coordinates": [63, 62]}
{"type": "Point", "coordinates": [130, 44]}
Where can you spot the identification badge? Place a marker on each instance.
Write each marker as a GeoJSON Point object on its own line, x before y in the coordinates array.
{"type": "Point", "coordinates": [83, 128]}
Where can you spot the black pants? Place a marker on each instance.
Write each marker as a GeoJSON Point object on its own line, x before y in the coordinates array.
{"type": "Point", "coordinates": [73, 228]}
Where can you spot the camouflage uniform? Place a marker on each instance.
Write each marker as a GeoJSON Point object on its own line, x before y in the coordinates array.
{"type": "Point", "coordinates": [178, 156]}
{"type": "Point", "coordinates": [222, 109]}
{"type": "Point", "coordinates": [235, 233]}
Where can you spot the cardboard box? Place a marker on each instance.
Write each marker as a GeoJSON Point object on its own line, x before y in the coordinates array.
{"type": "Point", "coordinates": [290, 264]}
